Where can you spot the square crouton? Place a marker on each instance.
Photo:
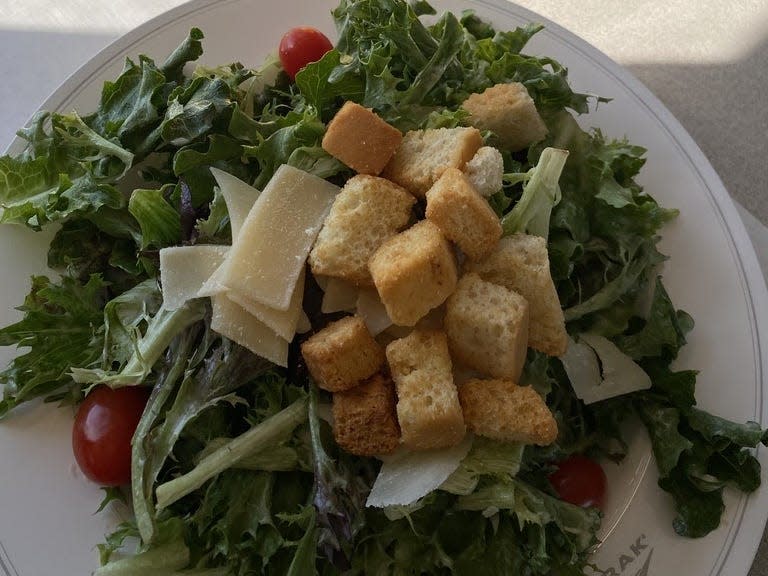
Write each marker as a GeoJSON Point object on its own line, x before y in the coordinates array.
{"type": "Point", "coordinates": [360, 139]}
{"type": "Point", "coordinates": [509, 112]}
{"type": "Point", "coordinates": [487, 327]}
{"type": "Point", "coordinates": [424, 155]}
{"type": "Point", "coordinates": [428, 406]}
{"type": "Point", "coordinates": [502, 410]}
{"type": "Point", "coordinates": [342, 354]}
{"type": "Point", "coordinates": [367, 211]}
{"type": "Point", "coordinates": [414, 272]}
{"type": "Point", "coordinates": [462, 214]}
{"type": "Point", "coordinates": [521, 263]}
{"type": "Point", "coordinates": [364, 417]}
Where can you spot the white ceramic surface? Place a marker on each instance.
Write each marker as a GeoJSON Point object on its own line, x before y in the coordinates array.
{"type": "Point", "coordinates": [46, 520]}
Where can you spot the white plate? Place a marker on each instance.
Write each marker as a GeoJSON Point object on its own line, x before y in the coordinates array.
{"type": "Point", "coordinates": [47, 520]}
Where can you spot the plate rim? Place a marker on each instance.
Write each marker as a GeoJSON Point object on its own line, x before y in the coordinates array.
{"type": "Point", "coordinates": [739, 553]}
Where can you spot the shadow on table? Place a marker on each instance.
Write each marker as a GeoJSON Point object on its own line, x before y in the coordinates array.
{"type": "Point", "coordinates": [736, 95]}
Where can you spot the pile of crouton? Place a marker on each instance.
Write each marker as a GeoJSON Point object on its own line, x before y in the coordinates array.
{"type": "Point", "coordinates": [467, 303]}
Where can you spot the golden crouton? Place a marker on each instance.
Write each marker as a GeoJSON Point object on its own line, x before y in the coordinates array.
{"type": "Point", "coordinates": [487, 327]}
{"type": "Point", "coordinates": [508, 111]}
{"type": "Point", "coordinates": [360, 139]}
{"type": "Point", "coordinates": [521, 263]}
{"type": "Point", "coordinates": [366, 212]}
{"type": "Point", "coordinates": [502, 410]}
{"type": "Point", "coordinates": [414, 272]}
{"type": "Point", "coordinates": [428, 405]}
{"type": "Point", "coordinates": [342, 354]}
{"type": "Point", "coordinates": [424, 155]}
{"type": "Point", "coordinates": [364, 418]}
{"type": "Point", "coordinates": [463, 215]}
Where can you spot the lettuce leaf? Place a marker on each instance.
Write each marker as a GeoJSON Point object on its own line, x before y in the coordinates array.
{"type": "Point", "coordinates": [338, 497]}
{"type": "Point", "coordinates": [61, 326]}
{"type": "Point", "coordinates": [70, 165]}
{"type": "Point", "coordinates": [663, 331]}
{"type": "Point", "coordinates": [147, 348]}
{"type": "Point", "coordinates": [703, 454]}
{"type": "Point", "coordinates": [410, 69]}
{"type": "Point", "coordinates": [201, 106]}
{"type": "Point", "coordinates": [125, 317]}
{"type": "Point", "coordinates": [307, 513]}
{"type": "Point", "coordinates": [33, 194]}
{"type": "Point", "coordinates": [81, 249]}
{"type": "Point", "coordinates": [541, 193]}
{"type": "Point", "coordinates": [159, 221]}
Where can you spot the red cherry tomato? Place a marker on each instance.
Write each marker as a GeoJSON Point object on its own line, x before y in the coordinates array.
{"type": "Point", "coordinates": [579, 480]}
{"type": "Point", "coordinates": [102, 433]}
{"type": "Point", "coordinates": [300, 46]}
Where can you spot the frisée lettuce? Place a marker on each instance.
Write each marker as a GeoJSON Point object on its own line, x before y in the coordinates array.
{"type": "Point", "coordinates": [290, 501]}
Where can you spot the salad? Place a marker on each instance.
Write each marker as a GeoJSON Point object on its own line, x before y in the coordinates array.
{"type": "Point", "coordinates": [233, 468]}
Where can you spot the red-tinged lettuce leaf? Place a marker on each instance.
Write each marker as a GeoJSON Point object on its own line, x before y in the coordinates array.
{"type": "Point", "coordinates": [339, 498]}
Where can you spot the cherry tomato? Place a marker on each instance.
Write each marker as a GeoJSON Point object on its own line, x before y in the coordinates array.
{"type": "Point", "coordinates": [102, 433]}
{"type": "Point", "coordinates": [300, 46]}
{"type": "Point", "coordinates": [579, 480]}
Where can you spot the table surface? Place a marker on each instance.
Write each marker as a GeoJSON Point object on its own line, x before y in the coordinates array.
{"type": "Point", "coordinates": [710, 70]}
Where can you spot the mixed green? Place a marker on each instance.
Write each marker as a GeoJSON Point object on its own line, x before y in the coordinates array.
{"type": "Point", "coordinates": [133, 177]}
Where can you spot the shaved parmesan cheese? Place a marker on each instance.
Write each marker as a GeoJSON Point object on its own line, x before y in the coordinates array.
{"type": "Point", "coordinates": [184, 270]}
{"type": "Point", "coordinates": [583, 370]}
{"type": "Point", "coordinates": [620, 374]}
{"type": "Point", "coordinates": [239, 196]}
{"type": "Point", "coordinates": [263, 329]}
{"type": "Point", "coordinates": [407, 476]}
{"type": "Point", "coordinates": [304, 324]}
{"type": "Point", "coordinates": [283, 322]}
{"type": "Point", "coordinates": [434, 319]}
{"type": "Point", "coordinates": [372, 311]}
{"type": "Point", "coordinates": [340, 296]}
{"type": "Point", "coordinates": [230, 320]}
{"type": "Point", "coordinates": [215, 283]}
{"type": "Point", "coordinates": [269, 253]}
{"type": "Point", "coordinates": [322, 281]}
